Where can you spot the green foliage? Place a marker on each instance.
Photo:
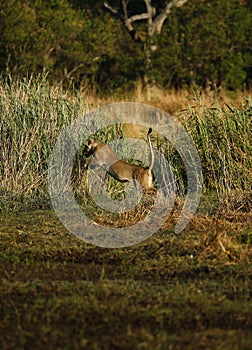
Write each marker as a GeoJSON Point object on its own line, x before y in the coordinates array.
{"type": "Point", "coordinates": [202, 43]}
{"type": "Point", "coordinates": [207, 43]}
{"type": "Point", "coordinates": [39, 36]}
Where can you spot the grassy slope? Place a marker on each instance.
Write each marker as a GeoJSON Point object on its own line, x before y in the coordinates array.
{"type": "Point", "coordinates": [187, 292]}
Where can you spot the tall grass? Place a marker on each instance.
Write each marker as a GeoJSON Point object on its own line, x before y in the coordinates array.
{"type": "Point", "coordinates": [223, 137]}
{"type": "Point", "coordinates": [32, 114]}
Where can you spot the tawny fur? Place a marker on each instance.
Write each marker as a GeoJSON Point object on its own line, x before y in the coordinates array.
{"type": "Point", "coordinates": [117, 168]}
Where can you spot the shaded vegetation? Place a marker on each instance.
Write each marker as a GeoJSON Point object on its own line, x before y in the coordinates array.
{"type": "Point", "coordinates": [203, 43]}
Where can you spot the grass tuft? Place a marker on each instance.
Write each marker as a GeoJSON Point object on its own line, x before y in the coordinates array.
{"type": "Point", "coordinates": [185, 291]}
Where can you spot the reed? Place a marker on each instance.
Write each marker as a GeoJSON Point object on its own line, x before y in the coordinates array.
{"type": "Point", "coordinates": [223, 137]}
{"type": "Point", "coordinates": [33, 113]}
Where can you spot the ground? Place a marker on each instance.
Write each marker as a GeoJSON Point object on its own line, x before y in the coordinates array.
{"type": "Point", "coordinates": [187, 291]}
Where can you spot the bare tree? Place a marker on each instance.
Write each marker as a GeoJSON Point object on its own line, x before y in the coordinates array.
{"type": "Point", "coordinates": [154, 19]}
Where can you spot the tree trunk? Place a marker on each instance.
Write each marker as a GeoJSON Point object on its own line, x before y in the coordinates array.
{"type": "Point", "coordinates": [149, 49]}
{"type": "Point", "coordinates": [154, 26]}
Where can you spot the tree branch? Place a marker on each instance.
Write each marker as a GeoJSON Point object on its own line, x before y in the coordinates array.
{"type": "Point", "coordinates": [138, 17]}
{"type": "Point", "coordinates": [151, 11]}
{"type": "Point", "coordinates": [110, 8]}
{"type": "Point", "coordinates": [155, 24]}
{"type": "Point", "coordinates": [127, 21]}
{"type": "Point", "coordinates": [160, 19]}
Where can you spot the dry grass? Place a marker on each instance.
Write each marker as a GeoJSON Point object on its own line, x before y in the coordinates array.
{"type": "Point", "coordinates": [187, 291]}
{"type": "Point", "coordinates": [179, 292]}
{"type": "Point", "coordinates": [174, 101]}
{"type": "Point", "coordinates": [33, 113]}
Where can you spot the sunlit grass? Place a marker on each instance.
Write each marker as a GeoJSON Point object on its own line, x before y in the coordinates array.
{"type": "Point", "coordinates": [187, 291]}
{"type": "Point", "coordinates": [33, 113]}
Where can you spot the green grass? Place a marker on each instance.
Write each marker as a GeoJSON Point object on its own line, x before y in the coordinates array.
{"type": "Point", "coordinates": [222, 136]}
{"type": "Point", "coordinates": [191, 291]}
{"type": "Point", "coordinates": [33, 113]}
{"type": "Point", "coordinates": [187, 291]}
